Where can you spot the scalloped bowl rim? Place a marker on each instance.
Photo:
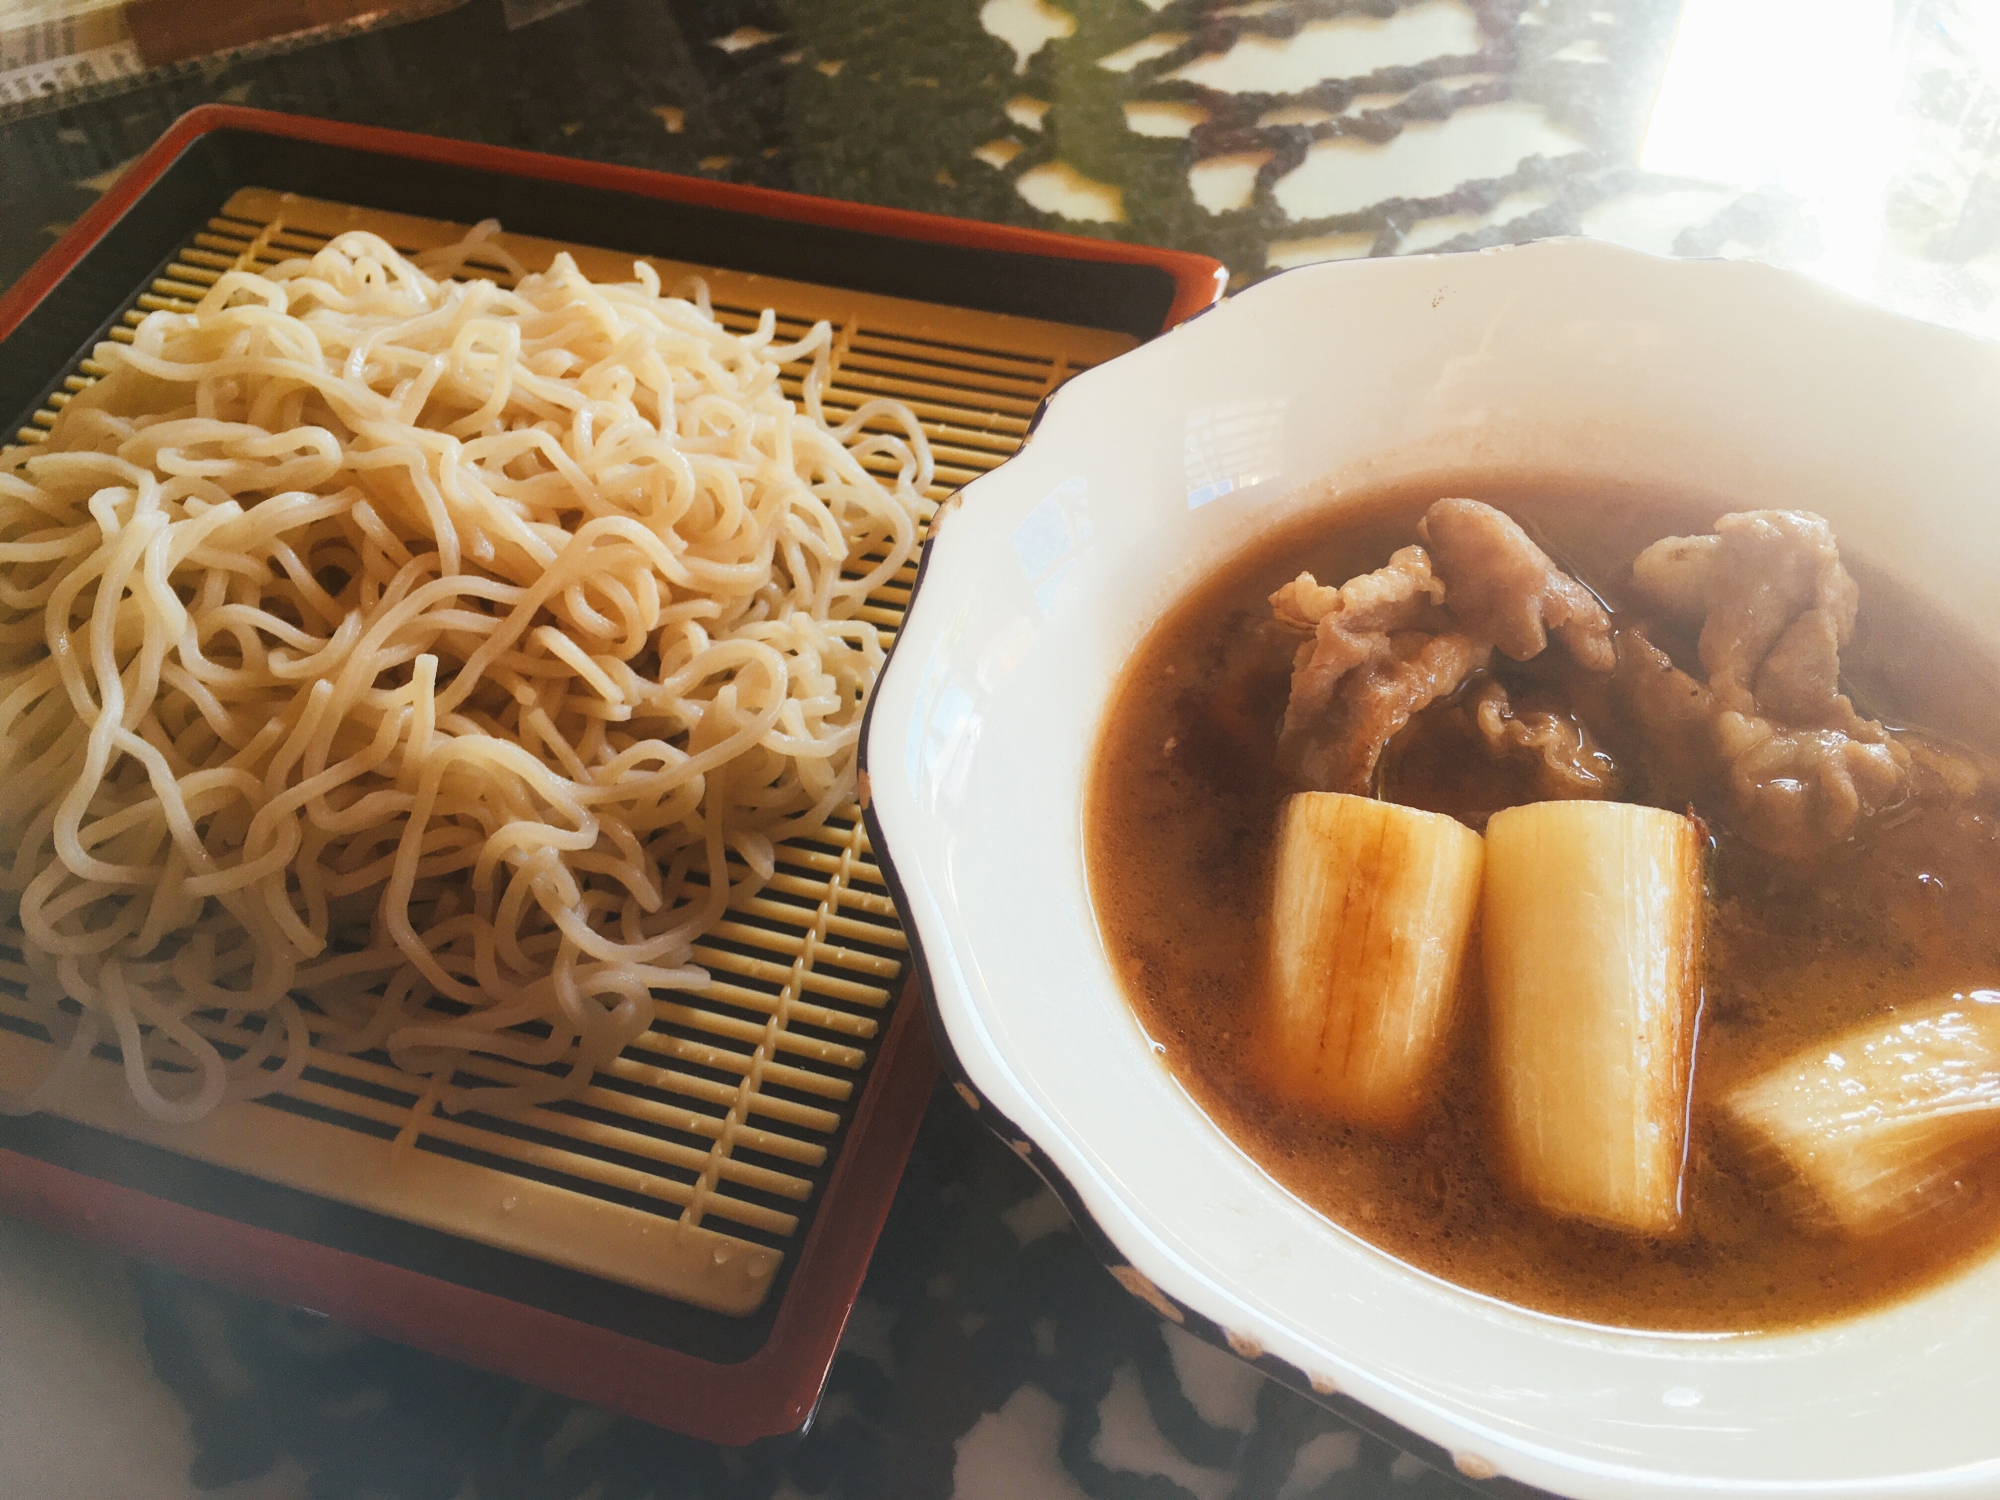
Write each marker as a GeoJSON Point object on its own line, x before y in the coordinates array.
{"type": "Point", "coordinates": [1138, 478]}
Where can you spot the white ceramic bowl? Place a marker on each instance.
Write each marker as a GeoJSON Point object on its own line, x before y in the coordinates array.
{"type": "Point", "coordinates": [1723, 377]}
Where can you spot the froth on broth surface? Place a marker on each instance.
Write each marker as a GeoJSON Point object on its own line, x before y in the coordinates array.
{"type": "Point", "coordinates": [1179, 834]}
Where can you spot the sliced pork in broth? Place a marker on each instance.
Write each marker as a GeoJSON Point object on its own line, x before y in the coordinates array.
{"type": "Point", "coordinates": [1538, 903]}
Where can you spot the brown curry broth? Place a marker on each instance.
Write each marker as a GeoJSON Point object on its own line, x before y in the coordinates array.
{"type": "Point", "coordinates": [1181, 809]}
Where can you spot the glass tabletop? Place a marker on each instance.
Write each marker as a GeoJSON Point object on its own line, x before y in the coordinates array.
{"type": "Point", "coordinates": [1850, 139]}
{"type": "Point", "coordinates": [1853, 140]}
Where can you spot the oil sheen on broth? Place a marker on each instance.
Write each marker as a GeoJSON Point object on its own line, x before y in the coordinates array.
{"type": "Point", "coordinates": [1182, 806]}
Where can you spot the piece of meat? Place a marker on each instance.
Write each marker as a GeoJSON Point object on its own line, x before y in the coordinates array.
{"type": "Point", "coordinates": [1366, 669]}
{"type": "Point", "coordinates": [1402, 594]}
{"type": "Point", "coordinates": [1674, 714]}
{"type": "Point", "coordinates": [1387, 644]}
{"type": "Point", "coordinates": [1504, 589]}
{"type": "Point", "coordinates": [1569, 764]}
{"type": "Point", "coordinates": [1798, 792]}
{"type": "Point", "coordinates": [1942, 771]}
{"type": "Point", "coordinates": [1673, 575]}
{"type": "Point", "coordinates": [1801, 766]}
{"type": "Point", "coordinates": [1776, 608]}
{"type": "Point", "coordinates": [1337, 725]}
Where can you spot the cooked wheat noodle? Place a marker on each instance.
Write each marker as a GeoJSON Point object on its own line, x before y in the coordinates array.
{"type": "Point", "coordinates": [423, 651]}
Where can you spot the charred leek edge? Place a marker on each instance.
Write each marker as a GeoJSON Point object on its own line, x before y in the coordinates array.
{"type": "Point", "coordinates": [1592, 948]}
{"type": "Point", "coordinates": [1875, 1116]}
{"type": "Point", "coordinates": [1372, 908]}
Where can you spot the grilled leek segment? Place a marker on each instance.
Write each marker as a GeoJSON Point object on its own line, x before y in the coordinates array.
{"type": "Point", "coordinates": [1874, 1120]}
{"type": "Point", "coordinates": [1372, 910]}
{"type": "Point", "coordinates": [1592, 956]}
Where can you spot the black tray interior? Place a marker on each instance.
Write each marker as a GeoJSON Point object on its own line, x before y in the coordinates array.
{"type": "Point", "coordinates": [1125, 298]}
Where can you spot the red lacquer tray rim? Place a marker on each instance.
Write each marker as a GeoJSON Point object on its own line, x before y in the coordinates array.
{"type": "Point", "coordinates": [767, 1395]}
{"type": "Point", "coordinates": [1198, 280]}
{"type": "Point", "coordinates": [773, 1391]}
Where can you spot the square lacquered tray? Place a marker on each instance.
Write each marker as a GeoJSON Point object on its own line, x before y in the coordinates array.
{"type": "Point", "coordinates": [683, 1243]}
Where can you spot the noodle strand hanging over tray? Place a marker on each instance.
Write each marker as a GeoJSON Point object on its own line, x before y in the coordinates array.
{"type": "Point", "coordinates": [421, 650]}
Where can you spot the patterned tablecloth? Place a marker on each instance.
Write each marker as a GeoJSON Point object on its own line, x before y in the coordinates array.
{"type": "Point", "coordinates": [990, 1357]}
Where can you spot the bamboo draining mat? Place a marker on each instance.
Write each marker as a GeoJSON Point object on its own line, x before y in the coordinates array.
{"type": "Point", "coordinates": [683, 1170]}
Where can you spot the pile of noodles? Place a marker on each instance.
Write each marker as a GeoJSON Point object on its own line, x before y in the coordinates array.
{"type": "Point", "coordinates": [400, 659]}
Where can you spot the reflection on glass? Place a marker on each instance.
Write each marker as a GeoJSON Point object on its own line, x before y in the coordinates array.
{"type": "Point", "coordinates": [943, 752]}
{"type": "Point", "coordinates": [1050, 536]}
{"type": "Point", "coordinates": [1868, 126]}
{"type": "Point", "coordinates": [1233, 445]}
{"type": "Point", "coordinates": [1791, 96]}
